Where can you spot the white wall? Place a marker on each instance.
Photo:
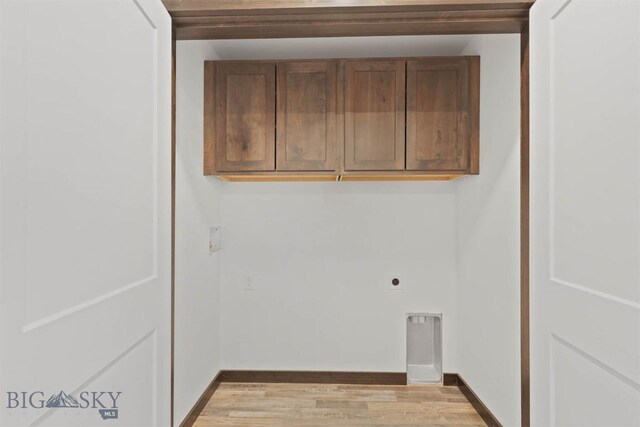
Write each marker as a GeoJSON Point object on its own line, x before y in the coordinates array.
{"type": "Point", "coordinates": [488, 237]}
{"type": "Point", "coordinates": [321, 258]}
{"type": "Point", "coordinates": [197, 314]}
{"type": "Point", "coordinates": [321, 255]}
{"type": "Point", "coordinates": [341, 47]}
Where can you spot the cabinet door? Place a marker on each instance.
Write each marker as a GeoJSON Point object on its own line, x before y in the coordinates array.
{"type": "Point", "coordinates": [440, 97]}
{"type": "Point", "coordinates": [306, 135]}
{"type": "Point", "coordinates": [245, 116]}
{"type": "Point", "coordinates": [374, 115]}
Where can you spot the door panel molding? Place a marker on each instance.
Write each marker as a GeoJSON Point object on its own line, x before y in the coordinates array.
{"type": "Point", "coordinates": [602, 365]}
{"type": "Point", "coordinates": [590, 291]}
{"type": "Point", "coordinates": [153, 336]}
{"type": "Point", "coordinates": [45, 321]}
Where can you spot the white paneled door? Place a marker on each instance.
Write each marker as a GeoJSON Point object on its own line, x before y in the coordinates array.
{"type": "Point", "coordinates": [585, 207]}
{"type": "Point", "coordinates": [85, 213]}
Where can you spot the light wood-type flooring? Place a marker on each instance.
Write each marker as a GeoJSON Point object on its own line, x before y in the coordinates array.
{"type": "Point", "coordinates": [256, 405]}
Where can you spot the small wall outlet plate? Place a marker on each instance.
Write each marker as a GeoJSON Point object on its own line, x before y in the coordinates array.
{"type": "Point", "coordinates": [249, 283]}
{"type": "Point", "coordinates": [215, 239]}
{"type": "Point", "coordinates": [394, 283]}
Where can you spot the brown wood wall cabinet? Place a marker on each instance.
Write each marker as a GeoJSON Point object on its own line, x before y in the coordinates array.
{"type": "Point", "coordinates": [306, 121]}
{"type": "Point", "coordinates": [374, 115]}
{"type": "Point", "coordinates": [439, 112]}
{"type": "Point", "coordinates": [244, 116]}
{"type": "Point", "coordinates": [364, 119]}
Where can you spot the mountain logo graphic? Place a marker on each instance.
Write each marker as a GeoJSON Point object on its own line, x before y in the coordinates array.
{"type": "Point", "coordinates": [62, 400]}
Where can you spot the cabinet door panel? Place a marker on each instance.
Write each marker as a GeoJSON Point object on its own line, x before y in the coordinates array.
{"type": "Point", "coordinates": [438, 114]}
{"type": "Point", "coordinates": [306, 136]}
{"type": "Point", "coordinates": [245, 116]}
{"type": "Point", "coordinates": [374, 115]}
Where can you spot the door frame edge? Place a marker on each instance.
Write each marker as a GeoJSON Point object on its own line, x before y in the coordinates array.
{"type": "Point", "coordinates": [525, 386]}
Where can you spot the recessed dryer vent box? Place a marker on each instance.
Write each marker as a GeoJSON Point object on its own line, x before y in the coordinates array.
{"type": "Point", "coordinates": [424, 348]}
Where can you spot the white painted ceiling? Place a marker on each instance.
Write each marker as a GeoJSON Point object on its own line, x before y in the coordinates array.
{"type": "Point", "coordinates": [341, 47]}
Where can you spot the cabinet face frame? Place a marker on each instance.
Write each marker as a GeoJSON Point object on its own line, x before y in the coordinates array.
{"type": "Point", "coordinates": [353, 67]}
{"type": "Point", "coordinates": [285, 140]}
{"type": "Point", "coordinates": [220, 113]}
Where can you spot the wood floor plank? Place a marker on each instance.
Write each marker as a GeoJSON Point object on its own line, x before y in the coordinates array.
{"type": "Point", "coordinates": [301, 405]}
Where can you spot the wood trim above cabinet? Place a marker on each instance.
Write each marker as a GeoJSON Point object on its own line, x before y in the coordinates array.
{"type": "Point", "coordinates": [179, 8]}
{"type": "Point", "coordinates": [306, 116]}
{"type": "Point", "coordinates": [244, 19]}
{"type": "Point", "coordinates": [374, 115]}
